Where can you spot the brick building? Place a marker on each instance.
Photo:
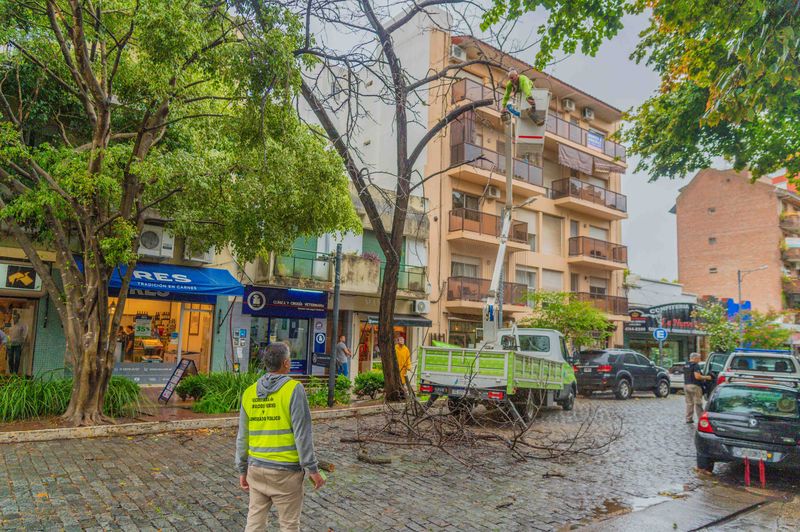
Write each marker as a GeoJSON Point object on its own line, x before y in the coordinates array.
{"type": "Point", "coordinates": [727, 222]}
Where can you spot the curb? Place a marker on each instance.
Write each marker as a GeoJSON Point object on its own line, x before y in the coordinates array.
{"type": "Point", "coordinates": [156, 427]}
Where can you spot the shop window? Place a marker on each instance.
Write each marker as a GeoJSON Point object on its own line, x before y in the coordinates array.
{"type": "Point", "coordinates": [18, 322]}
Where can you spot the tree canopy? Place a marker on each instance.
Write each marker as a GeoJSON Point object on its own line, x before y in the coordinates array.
{"type": "Point", "coordinates": [729, 76]}
{"type": "Point", "coordinates": [581, 323]}
{"type": "Point", "coordinates": [758, 330]}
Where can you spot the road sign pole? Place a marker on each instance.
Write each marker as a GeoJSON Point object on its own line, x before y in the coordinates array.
{"type": "Point", "coordinates": [337, 284]}
{"type": "Point", "coordinates": [660, 351]}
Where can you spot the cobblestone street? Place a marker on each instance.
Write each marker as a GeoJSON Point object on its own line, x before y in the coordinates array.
{"type": "Point", "coordinates": [186, 481]}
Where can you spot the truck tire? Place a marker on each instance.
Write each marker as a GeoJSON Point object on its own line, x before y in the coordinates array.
{"type": "Point", "coordinates": [569, 403]}
{"type": "Point", "coordinates": [623, 389]}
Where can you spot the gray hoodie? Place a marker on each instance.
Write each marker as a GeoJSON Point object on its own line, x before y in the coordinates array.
{"type": "Point", "coordinates": [301, 427]}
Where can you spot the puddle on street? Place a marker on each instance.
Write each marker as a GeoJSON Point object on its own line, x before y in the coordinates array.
{"type": "Point", "coordinates": [610, 507]}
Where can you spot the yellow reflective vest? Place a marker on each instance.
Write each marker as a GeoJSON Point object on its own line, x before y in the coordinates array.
{"type": "Point", "coordinates": [270, 436]}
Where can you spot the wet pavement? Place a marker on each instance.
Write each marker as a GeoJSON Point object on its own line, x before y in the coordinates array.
{"type": "Point", "coordinates": [186, 481]}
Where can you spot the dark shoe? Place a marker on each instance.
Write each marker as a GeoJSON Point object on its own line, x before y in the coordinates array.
{"type": "Point", "coordinates": [689, 421]}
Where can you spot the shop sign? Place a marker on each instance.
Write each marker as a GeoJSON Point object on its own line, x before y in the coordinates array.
{"type": "Point", "coordinates": [142, 327]}
{"type": "Point", "coordinates": [676, 318]}
{"type": "Point", "coordinates": [145, 372]}
{"type": "Point", "coordinates": [595, 140]}
{"type": "Point", "coordinates": [19, 277]}
{"type": "Point", "coordinates": [263, 301]}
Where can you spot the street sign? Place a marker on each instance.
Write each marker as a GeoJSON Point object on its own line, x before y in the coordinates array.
{"type": "Point", "coordinates": [660, 334]}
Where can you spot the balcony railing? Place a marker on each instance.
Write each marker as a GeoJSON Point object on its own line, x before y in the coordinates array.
{"type": "Point", "coordinates": [410, 278]}
{"type": "Point", "coordinates": [575, 188]}
{"type": "Point", "coordinates": [597, 249]}
{"type": "Point", "coordinates": [609, 304]}
{"type": "Point", "coordinates": [304, 265]}
{"type": "Point", "coordinates": [791, 223]}
{"type": "Point", "coordinates": [792, 255]}
{"type": "Point", "coordinates": [492, 161]}
{"type": "Point", "coordinates": [486, 224]}
{"type": "Point", "coordinates": [467, 89]}
{"type": "Point", "coordinates": [474, 289]}
{"type": "Point", "coordinates": [791, 285]}
{"type": "Point", "coordinates": [584, 137]}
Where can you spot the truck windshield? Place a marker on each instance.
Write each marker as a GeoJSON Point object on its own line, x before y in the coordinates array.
{"type": "Point", "coordinates": [536, 343]}
{"type": "Point", "coordinates": [755, 400]}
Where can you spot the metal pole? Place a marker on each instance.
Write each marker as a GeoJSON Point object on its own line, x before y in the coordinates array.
{"type": "Point", "coordinates": [337, 284]}
{"type": "Point", "coordinates": [739, 310]}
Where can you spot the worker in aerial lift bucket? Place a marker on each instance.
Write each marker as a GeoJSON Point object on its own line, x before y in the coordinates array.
{"type": "Point", "coordinates": [520, 83]}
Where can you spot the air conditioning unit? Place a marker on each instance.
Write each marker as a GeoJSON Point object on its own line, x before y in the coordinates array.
{"type": "Point", "coordinates": [569, 105]}
{"type": "Point", "coordinates": [457, 53]}
{"type": "Point", "coordinates": [493, 192]}
{"type": "Point", "coordinates": [588, 113]}
{"type": "Point", "coordinates": [422, 306]}
{"type": "Point", "coordinates": [155, 241]}
{"type": "Point", "coordinates": [206, 257]}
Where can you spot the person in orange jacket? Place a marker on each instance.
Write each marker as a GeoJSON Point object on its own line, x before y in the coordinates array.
{"type": "Point", "coordinates": [403, 358]}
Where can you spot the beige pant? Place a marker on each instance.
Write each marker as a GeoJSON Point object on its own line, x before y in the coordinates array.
{"type": "Point", "coordinates": [283, 488]}
{"type": "Point", "coordinates": [694, 401]}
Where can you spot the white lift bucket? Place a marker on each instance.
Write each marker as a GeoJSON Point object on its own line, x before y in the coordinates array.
{"type": "Point", "coordinates": [531, 123]}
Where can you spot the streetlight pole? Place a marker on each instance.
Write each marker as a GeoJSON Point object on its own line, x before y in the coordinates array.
{"type": "Point", "coordinates": [739, 276]}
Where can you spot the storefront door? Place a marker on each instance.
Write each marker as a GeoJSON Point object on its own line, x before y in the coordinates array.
{"type": "Point", "coordinates": [294, 332]}
{"type": "Point", "coordinates": [196, 334]}
{"type": "Point", "coordinates": [18, 322]}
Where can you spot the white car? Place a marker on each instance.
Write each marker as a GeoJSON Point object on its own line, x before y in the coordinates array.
{"type": "Point", "coordinates": [676, 375]}
{"type": "Point", "coordinates": [755, 364]}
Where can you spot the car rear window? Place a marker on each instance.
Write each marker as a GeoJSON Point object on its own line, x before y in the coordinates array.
{"type": "Point", "coordinates": [763, 363]}
{"type": "Point", "coordinates": [758, 400]}
{"type": "Point", "coordinates": [598, 358]}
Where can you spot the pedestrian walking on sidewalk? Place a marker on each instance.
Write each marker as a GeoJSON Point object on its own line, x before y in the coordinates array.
{"type": "Point", "coordinates": [343, 357]}
{"type": "Point", "coordinates": [275, 444]}
{"type": "Point", "coordinates": [693, 388]}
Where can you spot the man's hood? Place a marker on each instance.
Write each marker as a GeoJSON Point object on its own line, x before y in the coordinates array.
{"type": "Point", "coordinates": [270, 383]}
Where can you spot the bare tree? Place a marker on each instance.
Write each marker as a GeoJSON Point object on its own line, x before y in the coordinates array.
{"type": "Point", "coordinates": [362, 78]}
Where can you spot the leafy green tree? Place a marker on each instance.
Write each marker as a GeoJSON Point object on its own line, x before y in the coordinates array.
{"type": "Point", "coordinates": [723, 334]}
{"type": "Point", "coordinates": [581, 323]}
{"type": "Point", "coordinates": [729, 76]}
{"type": "Point", "coordinates": [762, 331]}
{"type": "Point", "coordinates": [117, 112]}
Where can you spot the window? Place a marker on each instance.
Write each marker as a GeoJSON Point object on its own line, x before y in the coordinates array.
{"type": "Point", "coordinates": [574, 228]}
{"type": "Point", "coordinates": [630, 359]}
{"type": "Point", "coordinates": [712, 240]}
{"type": "Point", "coordinates": [573, 173]}
{"type": "Point", "coordinates": [574, 282]}
{"type": "Point", "coordinates": [552, 234]}
{"type": "Point", "coordinates": [464, 266]}
{"type": "Point", "coordinates": [764, 364]}
{"type": "Point", "coordinates": [530, 342]}
{"type": "Point", "coordinates": [598, 233]}
{"type": "Point", "coordinates": [598, 286]}
{"type": "Point", "coordinates": [531, 218]}
{"type": "Point", "coordinates": [528, 278]}
{"type": "Point", "coordinates": [712, 270]}
{"type": "Point", "coordinates": [752, 400]}
{"type": "Point", "coordinates": [552, 280]}
{"type": "Point", "coordinates": [501, 147]}
{"type": "Point", "coordinates": [532, 241]}
{"type": "Point", "coordinates": [642, 360]}
{"type": "Point", "coordinates": [478, 138]}
{"type": "Point", "coordinates": [712, 210]}
{"type": "Point", "coordinates": [462, 200]}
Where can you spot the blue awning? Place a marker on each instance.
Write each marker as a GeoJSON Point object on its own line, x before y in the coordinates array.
{"type": "Point", "coordinates": [177, 283]}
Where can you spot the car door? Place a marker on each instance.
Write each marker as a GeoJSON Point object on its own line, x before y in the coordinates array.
{"type": "Point", "coordinates": [649, 371]}
{"type": "Point", "coordinates": [631, 365]}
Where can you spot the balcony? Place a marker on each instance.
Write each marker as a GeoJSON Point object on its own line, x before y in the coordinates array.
{"type": "Point", "coordinates": [412, 279]}
{"type": "Point", "coordinates": [614, 305]}
{"type": "Point", "coordinates": [468, 294]}
{"type": "Point", "coordinates": [791, 255]}
{"type": "Point", "coordinates": [589, 199]}
{"type": "Point", "coordinates": [791, 223]}
{"type": "Point", "coordinates": [583, 137]}
{"type": "Point", "coordinates": [482, 166]}
{"type": "Point", "coordinates": [477, 227]}
{"type": "Point", "coordinates": [596, 253]}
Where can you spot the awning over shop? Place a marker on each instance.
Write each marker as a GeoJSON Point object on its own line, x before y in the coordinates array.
{"type": "Point", "coordinates": [404, 321]}
{"type": "Point", "coordinates": [176, 283]}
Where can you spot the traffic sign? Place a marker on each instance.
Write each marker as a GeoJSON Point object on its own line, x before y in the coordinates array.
{"type": "Point", "coordinates": [660, 334]}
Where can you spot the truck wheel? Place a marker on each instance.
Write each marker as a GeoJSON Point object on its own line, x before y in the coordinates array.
{"type": "Point", "coordinates": [623, 390]}
{"type": "Point", "coordinates": [662, 389]}
{"type": "Point", "coordinates": [569, 403]}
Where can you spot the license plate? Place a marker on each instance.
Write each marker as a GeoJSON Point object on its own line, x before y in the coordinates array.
{"type": "Point", "coordinates": [752, 454]}
{"type": "Point", "coordinates": [587, 370]}
{"type": "Point", "coordinates": [456, 392]}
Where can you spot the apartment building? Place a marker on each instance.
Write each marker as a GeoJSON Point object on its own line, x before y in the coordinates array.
{"type": "Point", "coordinates": [568, 237]}
{"type": "Point", "coordinates": [726, 223]}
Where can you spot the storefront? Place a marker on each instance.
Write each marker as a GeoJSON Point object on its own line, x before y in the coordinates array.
{"type": "Point", "coordinates": [20, 291]}
{"type": "Point", "coordinates": [293, 316]}
{"type": "Point", "coordinates": [169, 316]}
{"type": "Point", "coordinates": [677, 318]}
{"type": "Point", "coordinates": [368, 350]}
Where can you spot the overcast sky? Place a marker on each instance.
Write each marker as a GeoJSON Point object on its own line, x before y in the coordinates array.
{"type": "Point", "coordinates": [649, 231]}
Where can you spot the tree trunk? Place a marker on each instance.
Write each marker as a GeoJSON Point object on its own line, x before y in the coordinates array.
{"type": "Point", "coordinates": [391, 371]}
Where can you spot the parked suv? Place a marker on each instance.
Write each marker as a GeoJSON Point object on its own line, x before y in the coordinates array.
{"type": "Point", "coordinates": [757, 420]}
{"type": "Point", "coordinates": [620, 370]}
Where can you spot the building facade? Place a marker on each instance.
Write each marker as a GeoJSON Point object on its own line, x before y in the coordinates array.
{"type": "Point", "coordinates": [726, 223]}
{"type": "Point", "coordinates": [568, 238]}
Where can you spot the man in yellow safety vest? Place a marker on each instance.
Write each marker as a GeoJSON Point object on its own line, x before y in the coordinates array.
{"type": "Point", "coordinates": [275, 444]}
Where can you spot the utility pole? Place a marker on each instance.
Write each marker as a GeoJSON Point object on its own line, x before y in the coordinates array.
{"type": "Point", "coordinates": [337, 285]}
{"type": "Point", "coordinates": [509, 130]}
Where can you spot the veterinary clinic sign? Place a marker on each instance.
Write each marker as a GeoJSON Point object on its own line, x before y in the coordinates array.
{"type": "Point", "coordinates": [20, 277]}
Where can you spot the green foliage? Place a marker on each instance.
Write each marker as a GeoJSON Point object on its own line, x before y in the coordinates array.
{"type": "Point", "coordinates": [192, 387]}
{"type": "Point", "coordinates": [369, 383]}
{"type": "Point", "coordinates": [570, 23]}
{"type": "Point", "coordinates": [581, 323]}
{"type": "Point", "coordinates": [42, 396]}
{"type": "Point", "coordinates": [219, 392]}
{"type": "Point", "coordinates": [723, 334]}
{"type": "Point", "coordinates": [763, 332]}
